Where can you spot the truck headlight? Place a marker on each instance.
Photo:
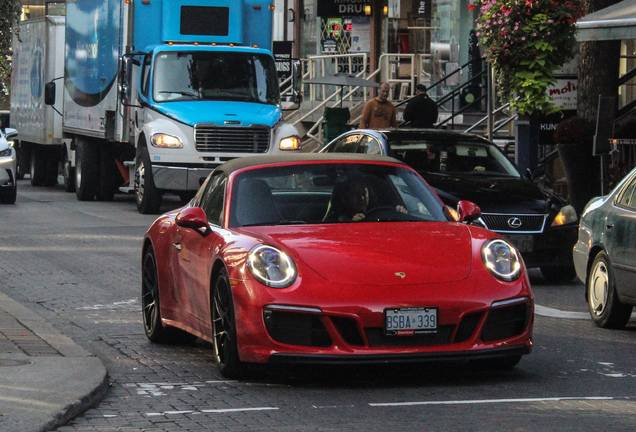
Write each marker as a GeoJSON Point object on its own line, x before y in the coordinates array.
{"type": "Point", "coordinates": [166, 141]}
{"type": "Point", "coordinates": [501, 259]}
{"type": "Point", "coordinates": [271, 266]}
{"type": "Point", "coordinates": [289, 143]}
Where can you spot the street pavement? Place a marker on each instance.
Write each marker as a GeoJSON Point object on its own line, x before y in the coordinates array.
{"type": "Point", "coordinates": [45, 378]}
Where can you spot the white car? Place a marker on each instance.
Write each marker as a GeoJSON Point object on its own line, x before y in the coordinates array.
{"type": "Point", "coordinates": [8, 167]}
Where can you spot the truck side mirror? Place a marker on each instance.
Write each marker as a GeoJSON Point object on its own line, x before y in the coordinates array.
{"type": "Point", "coordinates": [124, 80]}
{"type": "Point", "coordinates": [49, 93]}
{"type": "Point", "coordinates": [296, 96]}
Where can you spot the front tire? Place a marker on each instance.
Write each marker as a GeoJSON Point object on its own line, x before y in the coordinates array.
{"type": "Point", "coordinates": [68, 172]}
{"type": "Point", "coordinates": [148, 196]}
{"type": "Point", "coordinates": [86, 170]}
{"type": "Point", "coordinates": [38, 166]}
{"type": "Point", "coordinates": [606, 309]}
{"type": "Point", "coordinates": [9, 195]}
{"type": "Point", "coordinates": [225, 345]}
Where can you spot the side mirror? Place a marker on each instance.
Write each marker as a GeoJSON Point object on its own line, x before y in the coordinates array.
{"type": "Point", "coordinates": [49, 93]}
{"type": "Point", "coordinates": [296, 91]}
{"type": "Point", "coordinates": [10, 133]}
{"type": "Point", "coordinates": [468, 211]}
{"type": "Point", "coordinates": [528, 174]}
{"type": "Point", "coordinates": [194, 218]}
{"type": "Point", "coordinates": [125, 70]}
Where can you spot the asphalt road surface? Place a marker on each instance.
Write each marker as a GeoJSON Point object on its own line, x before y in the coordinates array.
{"type": "Point", "coordinates": [77, 264]}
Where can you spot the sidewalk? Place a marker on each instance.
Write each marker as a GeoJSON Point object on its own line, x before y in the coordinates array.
{"type": "Point", "coordinates": [45, 378]}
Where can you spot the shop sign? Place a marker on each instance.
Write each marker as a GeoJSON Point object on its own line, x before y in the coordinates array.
{"type": "Point", "coordinates": [422, 9]}
{"type": "Point", "coordinates": [328, 8]}
{"type": "Point", "coordinates": [282, 51]}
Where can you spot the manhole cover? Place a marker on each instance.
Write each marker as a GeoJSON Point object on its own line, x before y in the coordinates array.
{"type": "Point", "coordinates": [9, 362]}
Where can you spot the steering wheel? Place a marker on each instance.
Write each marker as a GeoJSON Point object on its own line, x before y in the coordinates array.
{"type": "Point", "coordinates": [379, 211]}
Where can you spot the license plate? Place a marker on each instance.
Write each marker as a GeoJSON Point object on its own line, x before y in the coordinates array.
{"type": "Point", "coordinates": [524, 243]}
{"type": "Point", "coordinates": [410, 321]}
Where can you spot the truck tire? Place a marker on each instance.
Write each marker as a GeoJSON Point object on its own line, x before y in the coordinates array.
{"type": "Point", "coordinates": [108, 174]}
{"type": "Point", "coordinates": [23, 164]}
{"type": "Point", "coordinates": [86, 170]}
{"type": "Point", "coordinates": [68, 172]}
{"type": "Point", "coordinates": [52, 157]}
{"type": "Point", "coordinates": [148, 196]}
{"type": "Point", "coordinates": [38, 166]}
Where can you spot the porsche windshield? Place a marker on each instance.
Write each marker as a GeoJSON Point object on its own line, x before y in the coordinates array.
{"type": "Point", "coordinates": [226, 76]}
{"type": "Point", "coordinates": [332, 193]}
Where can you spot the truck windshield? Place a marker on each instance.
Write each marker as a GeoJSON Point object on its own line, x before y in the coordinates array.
{"type": "Point", "coordinates": [227, 76]}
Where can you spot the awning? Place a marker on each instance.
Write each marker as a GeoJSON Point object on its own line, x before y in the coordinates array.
{"type": "Point", "coordinates": [611, 23]}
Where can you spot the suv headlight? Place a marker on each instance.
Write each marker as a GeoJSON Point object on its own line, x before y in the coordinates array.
{"type": "Point", "coordinates": [6, 152]}
{"type": "Point", "coordinates": [566, 215]}
{"type": "Point", "coordinates": [271, 266]}
{"type": "Point", "coordinates": [501, 259]}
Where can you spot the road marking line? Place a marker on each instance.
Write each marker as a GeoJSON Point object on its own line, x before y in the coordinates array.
{"type": "Point", "coordinates": [210, 411]}
{"type": "Point", "coordinates": [490, 401]}
{"type": "Point", "coordinates": [556, 313]}
{"type": "Point", "coordinates": [239, 409]}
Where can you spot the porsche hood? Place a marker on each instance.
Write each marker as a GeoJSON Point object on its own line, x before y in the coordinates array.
{"type": "Point", "coordinates": [379, 253]}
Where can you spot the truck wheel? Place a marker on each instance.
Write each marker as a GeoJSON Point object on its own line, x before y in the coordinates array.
{"type": "Point", "coordinates": [52, 158]}
{"type": "Point", "coordinates": [107, 174]}
{"type": "Point", "coordinates": [86, 170]}
{"type": "Point", "coordinates": [148, 196]}
{"type": "Point", "coordinates": [38, 167]}
{"type": "Point", "coordinates": [69, 173]}
{"type": "Point", "coordinates": [23, 162]}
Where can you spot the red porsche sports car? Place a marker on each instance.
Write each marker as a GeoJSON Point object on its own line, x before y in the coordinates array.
{"type": "Point", "coordinates": [332, 258]}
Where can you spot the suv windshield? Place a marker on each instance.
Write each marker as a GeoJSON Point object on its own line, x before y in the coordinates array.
{"type": "Point", "coordinates": [456, 157]}
{"type": "Point", "coordinates": [227, 76]}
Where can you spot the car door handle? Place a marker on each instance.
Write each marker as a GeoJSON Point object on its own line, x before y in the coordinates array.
{"type": "Point", "coordinates": [177, 246]}
{"type": "Point", "coordinates": [609, 226]}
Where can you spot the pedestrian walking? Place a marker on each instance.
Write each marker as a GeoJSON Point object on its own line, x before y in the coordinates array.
{"type": "Point", "coordinates": [421, 111]}
{"type": "Point", "coordinates": [379, 112]}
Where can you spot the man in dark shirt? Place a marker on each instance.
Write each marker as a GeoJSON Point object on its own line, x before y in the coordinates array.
{"type": "Point", "coordinates": [421, 111]}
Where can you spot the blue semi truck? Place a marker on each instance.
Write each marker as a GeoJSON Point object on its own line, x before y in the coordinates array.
{"type": "Point", "coordinates": [157, 93]}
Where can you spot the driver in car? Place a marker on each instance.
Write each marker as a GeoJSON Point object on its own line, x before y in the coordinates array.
{"type": "Point", "coordinates": [350, 201]}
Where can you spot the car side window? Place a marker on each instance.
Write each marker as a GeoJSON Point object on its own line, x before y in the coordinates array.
{"type": "Point", "coordinates": [627, 198]}
{"type": "Point", "coordinates": [214, 198]}
{"type": "Point", "coordinates": [145, 72]}
{"type": "Point", "coordinates": [346, 144]}
{"type": "Point", "coordinates": [369, 145]}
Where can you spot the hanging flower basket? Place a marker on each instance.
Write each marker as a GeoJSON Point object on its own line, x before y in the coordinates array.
{"type": "Point", "coordinates": [526, 41]}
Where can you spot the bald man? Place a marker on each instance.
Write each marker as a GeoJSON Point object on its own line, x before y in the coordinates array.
{"type": "Point", "coordinates": [379, 112]}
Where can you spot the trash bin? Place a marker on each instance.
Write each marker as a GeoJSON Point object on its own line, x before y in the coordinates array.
{"type": "Point", "coordinates": [336, 120]}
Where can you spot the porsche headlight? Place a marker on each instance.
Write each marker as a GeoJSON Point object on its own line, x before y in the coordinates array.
{"type": "Point", "coordinates": [166, 141]}
{"type": "Point", "coordinates": [501, 259]}
{"type": "Point", "coordinates": [271, 266]}
{"type": "Point", "coordinates": [566, 215]}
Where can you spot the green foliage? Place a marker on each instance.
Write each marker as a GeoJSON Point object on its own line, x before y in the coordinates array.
{"type": "Point", "coordinates": [9, 16]}
{"type": "Point", "coordinates": [526, 41]}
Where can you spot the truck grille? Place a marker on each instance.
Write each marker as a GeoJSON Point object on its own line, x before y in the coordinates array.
{"type": "Point", "coordinates": [212, 138]}
{"type": "Point", "coordinates": [514, 223]}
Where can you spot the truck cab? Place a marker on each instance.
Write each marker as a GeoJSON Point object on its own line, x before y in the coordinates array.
{"type": "Point", "coordinates": [158, 94]}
